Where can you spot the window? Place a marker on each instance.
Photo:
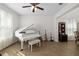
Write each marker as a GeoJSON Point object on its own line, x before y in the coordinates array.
{"type": "Point", "coordinates": [6, 28]}
{"type": "Point", "coordinates": [5, 25]}
{"type": "Point", "coordinates": [71, 26]}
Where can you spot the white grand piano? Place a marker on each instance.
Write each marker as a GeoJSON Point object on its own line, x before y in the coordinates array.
{"type": "Point", "coordinates": [25, 34]}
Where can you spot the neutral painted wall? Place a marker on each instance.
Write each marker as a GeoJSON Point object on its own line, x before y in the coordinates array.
{"type": "Point", "coordinates": [40, 23]}
{"type": "Point", "coordinates": [6, 42]}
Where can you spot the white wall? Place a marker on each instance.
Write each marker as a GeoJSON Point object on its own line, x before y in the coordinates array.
{"type": "Point", "coordinates": [6, 42]}
{"type": "Point", "coordinates": [40, 23]}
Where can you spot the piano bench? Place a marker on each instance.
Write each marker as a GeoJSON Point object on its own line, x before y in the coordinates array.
{"type": "Point", "coordinates": [32, 42]}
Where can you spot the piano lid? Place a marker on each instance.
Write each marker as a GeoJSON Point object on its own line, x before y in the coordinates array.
{"type": "Point", "coordinates": [22, 29]}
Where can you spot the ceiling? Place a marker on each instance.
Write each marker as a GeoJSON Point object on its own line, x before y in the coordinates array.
{"type": "Point", "coordinates": [49, 8]}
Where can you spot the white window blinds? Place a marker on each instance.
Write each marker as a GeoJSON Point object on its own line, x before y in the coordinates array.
{"type": "Point", "coordinates": [6, 29]}
{"type": "Point", "coordinates": [71, 26]}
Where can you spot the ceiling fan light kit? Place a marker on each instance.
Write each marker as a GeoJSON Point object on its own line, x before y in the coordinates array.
{"type": "Point", "coordinates": [34, 7]}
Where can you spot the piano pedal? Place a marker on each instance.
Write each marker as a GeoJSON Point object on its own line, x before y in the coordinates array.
{"type": "Point", "coordinates": [0, 54]}
{"type": "Point", "coordinates": [24, 41]}
{"type": "Point", "coordinates": [21, 49]}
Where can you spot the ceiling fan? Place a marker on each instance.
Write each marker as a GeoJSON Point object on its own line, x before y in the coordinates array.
{"type": "Point", "coordinates": [34, 6]}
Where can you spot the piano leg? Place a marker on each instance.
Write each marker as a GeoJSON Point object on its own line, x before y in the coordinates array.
{"type": "Point", "coordinates": [21, 45]}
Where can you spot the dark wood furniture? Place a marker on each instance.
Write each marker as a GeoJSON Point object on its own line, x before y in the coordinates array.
{"type": "Point", "coordinates": [61, 32]}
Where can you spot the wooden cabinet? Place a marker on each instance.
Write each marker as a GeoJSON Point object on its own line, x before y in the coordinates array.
{"type": "Point", "coordinates": [61, 27]}
{"type": "Point", "coordinates": [61, 32]}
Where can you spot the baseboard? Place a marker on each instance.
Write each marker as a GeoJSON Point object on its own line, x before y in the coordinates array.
{"type": "Point", "coordinates": [8, 46]}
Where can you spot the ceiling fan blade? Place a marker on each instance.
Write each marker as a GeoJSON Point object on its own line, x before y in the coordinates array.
{"type": "Point", "coordinates": [40, 8]}
{"type": "Point", "coordinates": [33, 9]}
{"type": "Point", "coordinates": [60, 3]}
{"type": "Point", "coordinates": [25, 6]}
{"type": "Point", "coordinates": [34, 4]}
